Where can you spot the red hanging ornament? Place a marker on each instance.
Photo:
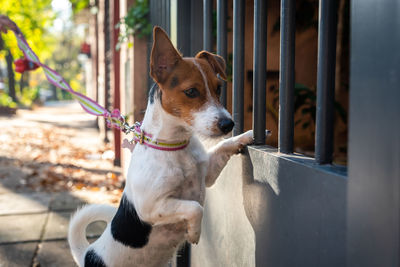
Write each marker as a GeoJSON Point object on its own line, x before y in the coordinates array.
{"type": "Point", "coordinates": [85, 49]}
{"type": "Point", "coordinates": [22, 65]}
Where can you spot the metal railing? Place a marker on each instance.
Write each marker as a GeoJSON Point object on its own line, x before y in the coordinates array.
{"type": "Point", "coordinates": [286, 77]}
{"type": "Point", "coordinates": [222, 42]}
{"type": "Point", "coordinates": [325, 81]}
{"type": "Point", "coordinates": [260, 71]}
{"type": "Point", "coordinates": [325, 72]}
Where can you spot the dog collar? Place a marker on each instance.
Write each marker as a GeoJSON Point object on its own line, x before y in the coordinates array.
{"type": "Point", "coordinates": [143, 138]}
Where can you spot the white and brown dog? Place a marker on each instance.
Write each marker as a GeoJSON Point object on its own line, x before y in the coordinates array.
{"type": "Point", "coordinates": [161, 206]}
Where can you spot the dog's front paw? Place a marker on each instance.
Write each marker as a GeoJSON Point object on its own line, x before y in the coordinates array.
{"type": "Point", "coordinates": [245, 139]}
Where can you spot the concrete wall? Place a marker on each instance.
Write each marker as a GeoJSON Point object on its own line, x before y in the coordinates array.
{"type": "Point", "coordinates": [227, 238]}
{"type": "Point", "coordinates": [269, 209]}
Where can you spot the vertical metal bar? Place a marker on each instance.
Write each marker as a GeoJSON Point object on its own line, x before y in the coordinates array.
{"type": "Point", "coordinates": [238, 65]}
{"type": "Point", "coordinates": [286, 76]}
{"type": "Point", "coordinates": [260, 70]}
{"type": "Point", "coordinates": [196, 26]}
{"type": "Point", "coordinates": [222, 40]}
{"type": "Point", "coordinates": [181, 23]}
{"type": "Point", "coordinates": [325, 81]}
{"type": "Point", "coordinates": [115, 75]}
{"type": "Point", "coordinates": [207, 24]}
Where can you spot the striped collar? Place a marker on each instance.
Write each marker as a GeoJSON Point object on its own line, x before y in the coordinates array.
{"type": "Point", "coordinates": [143, 138]}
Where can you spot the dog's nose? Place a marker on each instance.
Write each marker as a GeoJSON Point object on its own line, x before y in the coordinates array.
{"type": "Point", "coordinates": [225, 125]}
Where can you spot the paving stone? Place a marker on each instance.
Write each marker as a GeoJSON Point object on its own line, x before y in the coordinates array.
{"type": "Point", "coordinates": [70, 201]}
{"type": "Point", "coordinates": [65, 201]}
{"type": "Point", "coordinates": [12, 203]}
{"type": "Point", "coordinates": [17, 254]}
{"type": "Point", "coordinates": [55, 254]}
{"type": "Point", "coordinates": [11, 177]}
{"type": "Point", "coordinates": [21, 227]}
{"type": "Point", "coordinates": [57, 226]}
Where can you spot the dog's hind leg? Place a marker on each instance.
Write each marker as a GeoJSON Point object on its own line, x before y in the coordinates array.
{"type": "Point", "coordinates": [172, 210]}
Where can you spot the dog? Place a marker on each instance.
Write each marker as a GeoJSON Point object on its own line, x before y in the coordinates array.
{"type": "Point", "coordinates": [162, 202]}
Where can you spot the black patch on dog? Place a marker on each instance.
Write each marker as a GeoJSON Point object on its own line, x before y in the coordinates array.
{"type": "Point", "coordinates": [93, 260]}
{"type": "Point", "coordinates": [127, 228]}
{"type": "Point", "coordinates": [174, 82]}
{"type": "Point", "coordinates": [154, 92]}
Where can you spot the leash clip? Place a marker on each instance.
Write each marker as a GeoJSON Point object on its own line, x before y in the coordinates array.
{"type": "Point", "coordinates": [138, 126]}
{"type": "Point", "coordinates": [141, 140]}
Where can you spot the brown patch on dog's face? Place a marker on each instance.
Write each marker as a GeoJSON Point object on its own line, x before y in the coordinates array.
{"type": "Point", "coordinates": [187, 84]}
{"type": "Point", "coordinates": [190, 94]}
{"type": "Point", "coordinates": [216, 62]}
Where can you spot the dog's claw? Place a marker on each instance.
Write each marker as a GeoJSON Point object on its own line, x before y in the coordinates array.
{"type": "Point", "coordinates": [246, 139]}
{"type": "Point", "coordinates": [193, 238]}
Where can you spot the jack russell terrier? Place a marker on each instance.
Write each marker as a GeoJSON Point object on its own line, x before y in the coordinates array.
{"type": "Point", "coordinates": [162, 203]}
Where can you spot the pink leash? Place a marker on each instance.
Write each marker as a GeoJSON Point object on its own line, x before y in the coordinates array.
{"type": "Point", "coordinates": [114, 119]}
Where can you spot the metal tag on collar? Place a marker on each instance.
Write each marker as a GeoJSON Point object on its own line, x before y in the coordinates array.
{"type": "Point", "coordinates": [141, 140]}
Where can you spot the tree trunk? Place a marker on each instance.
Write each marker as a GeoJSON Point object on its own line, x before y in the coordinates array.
{"type": "Point", "coordinates": [21, 84]}
{"type": "Point", "coordinates": [54, 91]}
{"type": "Point", "coordinates": [11, 77]}
{"type": "Point", "coordinates": [10, 71]}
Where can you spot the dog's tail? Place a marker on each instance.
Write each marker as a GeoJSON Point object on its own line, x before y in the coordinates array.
{"type": "Point", "coordinates": [78, 223]}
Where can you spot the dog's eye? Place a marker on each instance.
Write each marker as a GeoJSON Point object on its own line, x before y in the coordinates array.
{"type": "Point", "coordinates": [192, 92]}
{"type": "Point", "coordinates": [218, 91]}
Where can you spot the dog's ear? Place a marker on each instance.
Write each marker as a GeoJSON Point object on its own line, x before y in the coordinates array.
{"type": "Point", "coordinates": [217, 62]}
{"type": "Point", "coordinates": [164, 56]}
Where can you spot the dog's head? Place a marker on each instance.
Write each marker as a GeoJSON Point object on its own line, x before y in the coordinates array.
{"type": "Point", "coordinates": [190, 87]}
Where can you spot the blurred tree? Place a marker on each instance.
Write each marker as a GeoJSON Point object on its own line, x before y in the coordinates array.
{"type": "Point", "coordinates": [59, 51]}
{"type": "Point", "coordinates": [33, 18]}
{"type": "Point", "coordinates": [65, 62]}
{"type": "Point", "coordinates": [78, 5]}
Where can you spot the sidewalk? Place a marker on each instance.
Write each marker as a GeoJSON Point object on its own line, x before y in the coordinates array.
{"type": "Point", "coordinates": [40, 185]}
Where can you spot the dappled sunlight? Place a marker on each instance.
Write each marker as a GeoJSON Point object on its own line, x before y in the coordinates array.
{"type": "Point", "coordinates": [50, 156]}
{"type": "Point", "coordinates": [52, 161]}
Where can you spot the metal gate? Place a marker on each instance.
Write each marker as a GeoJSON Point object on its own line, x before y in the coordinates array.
{"type": "Point", "coordinates": [272, 207]}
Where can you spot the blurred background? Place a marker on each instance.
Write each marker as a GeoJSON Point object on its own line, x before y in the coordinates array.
{"type": "Point", "coordinates": [52, 159]}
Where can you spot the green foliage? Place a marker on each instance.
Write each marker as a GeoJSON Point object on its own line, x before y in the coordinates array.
{"type": "Point", "coordinates": [135, 23]}
{"type": "Point", "coordinates": [306, 101]}
{"type": "Point", "coordinates": [65, 62]}
{"type": "Point", "coordinates": [29, 96]}
{"type": "Point", "coordinates": [6, 101]}
{"type": "Point", "coordinates": [33, 18]}
{"type": "Point", "coordinates": [78, 5]}
{"type": "Point", "coordinates": [58, 50]}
